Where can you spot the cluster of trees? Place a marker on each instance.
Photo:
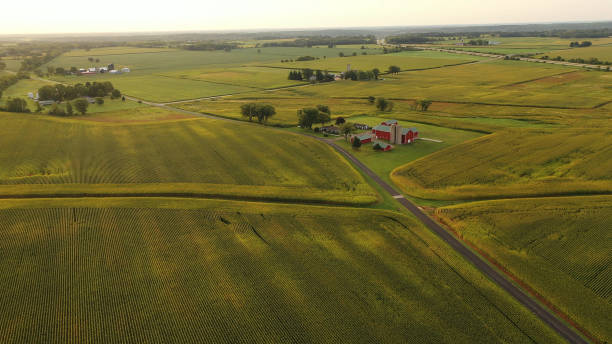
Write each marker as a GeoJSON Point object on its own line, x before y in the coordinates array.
{"type": "Point", "coordinates": [412, 39]}
{"type": "Point", "coordinates": [79, 106]}
{"type": "Point", "coordinates": [360, 75]}
{"type": "Point", "coordinates": [382, 104]}
{"type": "Point", "coordinates": [307, 74]}
{"type": "Point", "coordinates": [306, 58]}
{"type": "Point", "coordinates": [61, 92]}
{"type": "Point", "coordinates": [478, 42]}
{"type": "Point", "coordinates": [323, 40]}
{"type": "Point", "coordinates": [583, 44]}
{"type": "Point", "coordinates": [309, 116]}
{"type": "Point", "coordinates": [394, 70]}
{"type": "Point", "coordinates": [259, 111]}
{"type": "Point", "coordinates": [341, 54]}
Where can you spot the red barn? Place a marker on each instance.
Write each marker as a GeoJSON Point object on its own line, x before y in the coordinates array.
{"type": "Point", "coordinates": [363, 138]}
{"type": "Point", "coordinates": [392, 132]}
{"type": "Point", "coordinates": [382, 146]}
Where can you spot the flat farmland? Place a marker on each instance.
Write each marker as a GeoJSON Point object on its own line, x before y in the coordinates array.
{"type": "Point", "coordinates": [96, 52]}
{"type": "Point", "coordinates": [257, 77]}
{"type": "Point", "coordinates": [603, 53]}
{"type": "Point", "coordinates": [162, 89]}
{"type": "Point", "coordinates": [202, 156]}
{"type": "Point", "coordinates": [12, 64]}
{"type": "Point", "coordinates": [514, 163]}
{"type": "Point", "coordinates": [174, 60]}
{"type": "Point", "coordinates": [180, 271]}
{"type": "Point", "coordinates": [406, 61]}
{"type": "Point", "coordinates": [558, 246]}
{"type": "Point", "coordinates": [485, 82]}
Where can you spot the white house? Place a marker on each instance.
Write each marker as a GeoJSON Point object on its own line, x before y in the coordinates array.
{"type": "Point", "coordinates": [125, 70]}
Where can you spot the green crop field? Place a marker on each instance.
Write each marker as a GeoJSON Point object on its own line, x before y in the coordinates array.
{"type": "Point", "coordinates": [264, 78]}
{"type": "Point", "coordinates": [187, 271]}
{"type": "Point", "coordinates": [514, 164]}
{"type": "Point", "coordinates": [498, 82]}
{"type": "Point", "coordinates": [114, 51]}
{"type": "Point", "coordinates": [171, 75]}
{"type": "Point", "coordinates": [202, 156]}
{"type": "Point", "coordinates": [603, 53]}
{"type": "Point", "coordinates": [12, 64]}
{"type": "Point", "coordinates": [559, 246]}
{"type": "Point", "coordinates": [21, 90]}
{"type": "Point", "coordinates": [406, 61]}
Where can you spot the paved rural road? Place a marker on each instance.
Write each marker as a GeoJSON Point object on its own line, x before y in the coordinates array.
{"type": "Point", "coordinates": [470, 256]}
{"type": "Point", "coordinates": [542, 312]}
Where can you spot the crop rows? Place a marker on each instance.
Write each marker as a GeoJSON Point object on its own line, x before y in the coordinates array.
{"type": "Point", "coordinates": [514, 163]}
{"type": "Point", "coordinates": [183, 152]}
{"type": "Point", "coordinates": [172, 275]}
{"type": "Point", "coordinates": [559, 246]}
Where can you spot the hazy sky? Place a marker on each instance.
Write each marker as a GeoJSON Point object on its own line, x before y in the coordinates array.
{"type": "Point", "coordinates": [59, 16]}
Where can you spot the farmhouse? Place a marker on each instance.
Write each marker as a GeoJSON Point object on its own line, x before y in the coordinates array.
{"type": "Point", "coordinates": [391, 131]}
{"type": "Point", "coordinates": [331, 129]}
{"type": "Point", "coordinates": [363, 138]}
{"type": "Point", "coordinates": [125, 70]}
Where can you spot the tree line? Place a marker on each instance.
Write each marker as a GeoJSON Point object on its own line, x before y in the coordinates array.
{"type": "Point", "coordinates": [61, 92]}
{"type": "Point", "coordinates": [307, 73]}
{"type": "Point", "coordinates": [580, 44]}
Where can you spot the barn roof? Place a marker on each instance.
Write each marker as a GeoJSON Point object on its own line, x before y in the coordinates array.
{"type": "Point", "coordinates": [364, 136]}
{"type": "Point", "coordinates": [381, 127]}
{"type": "Point", "coordinates": [389, 122]}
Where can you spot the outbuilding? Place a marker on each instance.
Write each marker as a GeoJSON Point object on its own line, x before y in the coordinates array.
{"type": "Point", "coordinates": [363, 138]}
{"type": "Point", "coordinates": [382, 146]}
{"type": "Point", "coordinates": [394, 133]}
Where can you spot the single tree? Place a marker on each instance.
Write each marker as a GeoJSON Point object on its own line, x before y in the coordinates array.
{"type": "Point", "coordinates": [340, 120]}
{"type": "Point", "coordinates": [81, 105]}
{"type": "Point", "coordinates": [264, 112]}
{"type": "Point", "coordinates": [376, 73]}
{"type": "Point", "coordinates": [123, 98]}
{"type": "Point", "coordinates": [307, 117]}
{"type": "Point", "coordinates": [356, 143]}
{"type": "Point", "coordinates": [115, 94]}
{"type": "Point", "coordinates": [324, 108]}
{"type": "Point", "coordinates": [323, 117]}
{"type": "Point", "coordinates": [347, 129]}
{"type": "Point", "coordinates": [248, 110]}
{"type": "Point", "coordinates": [99, 100]}
{"type": "Point", "coordinates": [424, 104]}
{"type": "Point", "coordinates": [394, 69]}
{"type": "Point", "coordinates": [381, 104]}
{"type": "Point", "coordinates": [69, 110]}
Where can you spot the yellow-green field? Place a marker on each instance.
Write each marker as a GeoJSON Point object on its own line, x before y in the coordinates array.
{"type": "Point", "coordinates": [514, 163]}
{"type": "Point", "coordinates": [186, 271]}
{"type": "Point", "coordinates": [114, 51]}
{"type": "Point", "coordinates": [257, 77]}
{"type": "Point", "coordinates": [212, 155]}
{"type": "Point", "coordinates": [559, 246]}
{"type": "Point", "coordinates": [602, 53]}
{"type": "Point", "coordinates": [406, 61]}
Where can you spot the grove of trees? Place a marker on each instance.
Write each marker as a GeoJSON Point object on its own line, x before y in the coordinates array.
{"type": "Point", "coordinates": [309, 116]}
{"type": "Point", "coordinates": [259, 111]}
{"type": "Point", "coordinates": [61, 92]}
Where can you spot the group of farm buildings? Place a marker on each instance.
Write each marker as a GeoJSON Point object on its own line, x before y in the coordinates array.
{"type": "Point", "coordinates": [389, 131]}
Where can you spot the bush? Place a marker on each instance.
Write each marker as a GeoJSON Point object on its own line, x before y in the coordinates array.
{"type": "Point", "coordinates": [99, 100]}
{"type": "Point", "coordinates": [115, 94]}
{"type": "Point", "coordinates": [356, 143]}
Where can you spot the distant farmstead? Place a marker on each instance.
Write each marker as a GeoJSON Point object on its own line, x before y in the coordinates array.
{"type": "Point", "coordinates": [391, 131]}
